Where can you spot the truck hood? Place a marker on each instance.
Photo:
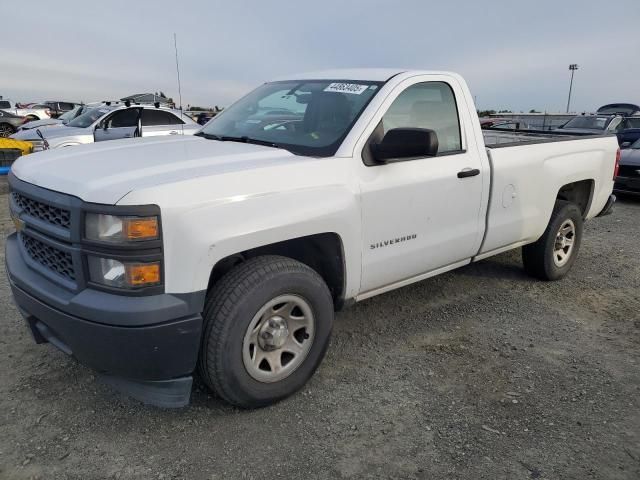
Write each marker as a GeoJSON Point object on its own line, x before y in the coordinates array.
{"type": "Point", "coordinates": [630, 156]}
{"type": "Point", "coordinates": [105, 172]}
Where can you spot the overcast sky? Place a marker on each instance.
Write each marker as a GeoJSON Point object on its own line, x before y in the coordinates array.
{"type": "Point", "coordinates": [514, 54]}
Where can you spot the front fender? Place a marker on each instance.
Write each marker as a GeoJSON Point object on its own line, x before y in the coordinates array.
{"type": "Point", "coordinates": [197, 239]}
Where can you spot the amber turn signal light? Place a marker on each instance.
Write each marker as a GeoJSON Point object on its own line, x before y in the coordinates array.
{"type": "Point", "coordinates": [145, 228]}
{"type": "Point", "coordinates": [140, 274]}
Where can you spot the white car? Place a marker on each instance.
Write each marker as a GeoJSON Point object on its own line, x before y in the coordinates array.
{"type": "Point", "coordinates": [41, 113]}
{"type": "Point", "coordinates": [229, 251]}
{"type": "Point", "coordinates": [61, 120]}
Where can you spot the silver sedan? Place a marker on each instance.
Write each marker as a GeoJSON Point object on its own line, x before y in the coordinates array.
{"type": "Point", "coordinates": [111, 123]}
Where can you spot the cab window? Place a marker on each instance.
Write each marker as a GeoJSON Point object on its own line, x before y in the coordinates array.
{"type": "Point", "coordinates": [429, 105]}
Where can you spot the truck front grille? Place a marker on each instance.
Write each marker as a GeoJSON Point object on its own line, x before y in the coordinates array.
{"type": "Point", "coordinates": [50, 257]}
{"type": "Point", "coordinates": [47, 213]}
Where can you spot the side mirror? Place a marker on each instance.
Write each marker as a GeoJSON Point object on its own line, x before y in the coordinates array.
{"type": "Point", "coordinates": [625, 145]}
{"type": "Point", "coordinates": [401, 143]}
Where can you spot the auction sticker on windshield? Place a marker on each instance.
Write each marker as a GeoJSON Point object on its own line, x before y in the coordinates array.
{"type": "Point", "coordinates": [354, 88]}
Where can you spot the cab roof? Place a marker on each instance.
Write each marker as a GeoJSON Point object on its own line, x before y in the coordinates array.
{"type": "Point", "coordinates": [364, 74]}
{"type": "Point", "coordinates": [371, 74]}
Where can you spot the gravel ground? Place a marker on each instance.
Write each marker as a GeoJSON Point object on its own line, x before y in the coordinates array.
{"type": "Point", "coordinates": [479, 373]}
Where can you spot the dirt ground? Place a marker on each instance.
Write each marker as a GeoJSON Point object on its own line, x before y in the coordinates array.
{"type": "Point", "coordinates": [482, 373]}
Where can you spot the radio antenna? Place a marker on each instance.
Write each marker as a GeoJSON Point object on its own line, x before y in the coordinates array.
{"type": "Point", "coordinates": [175, 45]}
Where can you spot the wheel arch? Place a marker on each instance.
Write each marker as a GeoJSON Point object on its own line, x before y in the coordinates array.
{"type": "Point", "coordinates": [580, 193]}
{"type": "Point", "coordinates": [323, 252]}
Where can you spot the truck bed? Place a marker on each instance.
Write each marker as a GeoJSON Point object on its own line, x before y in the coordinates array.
{"type": "Point", "coordinates": [529, 169]}
{"type": "Point", "coordinates": [498, 137]}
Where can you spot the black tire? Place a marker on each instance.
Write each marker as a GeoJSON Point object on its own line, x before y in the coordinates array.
{"type": "Point", "coordinates": [230, 307]}
{"type": "Point", "coordinates": [538, 257]}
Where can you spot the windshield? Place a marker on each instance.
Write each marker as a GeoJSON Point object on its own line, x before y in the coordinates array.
{"type": "Point", "coordinates": [88, 118]}
{"type": "Point", "coordinates": [309, 117]}
{"type": "Point", "coordinates": [65, 117]}
{"type": "Point", "coordinates": [594, 123]}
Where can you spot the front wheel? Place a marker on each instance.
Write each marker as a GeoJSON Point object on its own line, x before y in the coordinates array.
{"type": "Point", "coordinates": [267, 327]}
{"type": "Point", "coordinates": [553, 255]}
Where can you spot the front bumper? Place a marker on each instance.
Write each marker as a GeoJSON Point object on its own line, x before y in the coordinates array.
{"type": "Point", "coordinates": [146, 346]}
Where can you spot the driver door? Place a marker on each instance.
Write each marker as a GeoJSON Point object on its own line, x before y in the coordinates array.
{"type": "Point", "coordinates": [122, 124]}
{"type": "Point", "coordinates": [421, 214]}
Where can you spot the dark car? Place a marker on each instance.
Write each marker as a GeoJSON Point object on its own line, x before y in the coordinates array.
{"type": "Point", "coordinates": [628, 179]}
{"type": "Point", "coordinates": [629, 131]}
{"type": "Point", "coordinates": [595, 124]}
{"type": "Point", "coordinates": [58, 108]}
{"type": "Point", "coordinates": [204, 117]}
{"type": "Point", "coordinates": [9, 123]}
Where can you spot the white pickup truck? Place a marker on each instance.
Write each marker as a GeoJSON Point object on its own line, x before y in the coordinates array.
{"type": "Point", "coordinates": [227, 253]}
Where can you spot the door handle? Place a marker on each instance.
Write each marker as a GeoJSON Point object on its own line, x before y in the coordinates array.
{"type": "Point", "coordinates": [173, 132]}
{"type": "Point", "coordinates": [468, 172]}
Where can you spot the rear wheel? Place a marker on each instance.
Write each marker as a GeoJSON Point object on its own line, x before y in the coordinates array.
{"type": "Point", "coordinates": [6, 130]}
{"type": "Point", "coordinates": [267, 327]}
{"type": "Point", "coordinates": [553, 255]}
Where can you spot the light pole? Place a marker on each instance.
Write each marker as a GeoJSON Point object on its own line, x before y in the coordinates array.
{"type": "Point", "coordinates": [573, 67]}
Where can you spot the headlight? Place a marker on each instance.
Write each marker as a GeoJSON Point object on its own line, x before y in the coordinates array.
{"type": "Point", "coordinates": [122, 274]}
{"type": "Point", "coordinates": [120, 229]}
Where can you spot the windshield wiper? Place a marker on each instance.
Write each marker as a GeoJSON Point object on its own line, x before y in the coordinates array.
{"type": "Point", "coordinates": [242, 139]}
{"type": "Point", "coordinates": [208, 136]}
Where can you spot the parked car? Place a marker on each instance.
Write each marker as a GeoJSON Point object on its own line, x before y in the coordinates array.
{"type": "Point", "coordinates": [628, 178]}
{"type": "Point", "coordinates": [203, 117]}
{"type": "Point", "coordinates": [228, 252]}
{"type": "Point", "coordinates": [102, 123]}
{"type": "Point", "coordinates": [29, 113]}
{"type": "Point", "coordinates": [594, 124]}
{"type": "Point", "coordinates": [61, 120]}
{"type": "Point", "coordinates": [629, 131]}
{"type": "Point", "coordinates": [9, 123]}
{"type": "Point", "coordinates": [623, 109]}
{"type": "Point", "coordinates": [59, 108]}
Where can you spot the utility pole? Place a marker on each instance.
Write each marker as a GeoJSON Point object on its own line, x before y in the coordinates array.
{"type": "Point", "coordinates": [573, 67]}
